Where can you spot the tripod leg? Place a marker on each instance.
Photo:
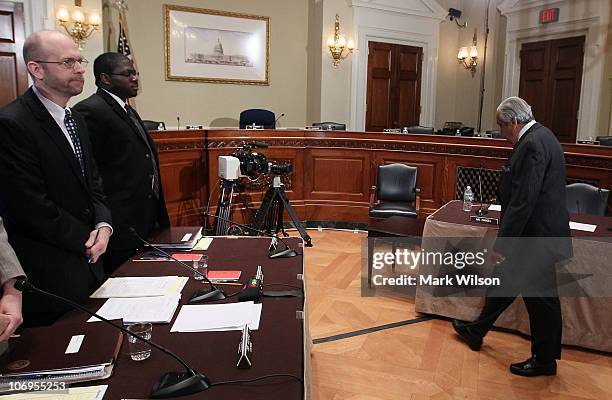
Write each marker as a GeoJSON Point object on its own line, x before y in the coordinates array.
{"type": "Point", "coordinates": [262, 214]}
{"type": "Point", "coordinates": [295, 219]}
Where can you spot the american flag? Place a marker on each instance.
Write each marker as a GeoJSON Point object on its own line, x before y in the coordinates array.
{"type": "Point", "coordinates": [123, 45]}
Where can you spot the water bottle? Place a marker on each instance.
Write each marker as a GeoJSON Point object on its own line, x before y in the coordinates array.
{"type": "Point", "coordinates": [468, 197]}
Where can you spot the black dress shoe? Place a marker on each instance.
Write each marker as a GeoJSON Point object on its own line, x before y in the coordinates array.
{"type": "Point", "coordinates": [533, 368]}
{"type": "Point", "coordinates": [473, 341]}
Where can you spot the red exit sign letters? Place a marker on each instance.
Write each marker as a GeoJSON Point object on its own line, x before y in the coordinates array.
{"type": "Point", "coordinates": [549, 15]}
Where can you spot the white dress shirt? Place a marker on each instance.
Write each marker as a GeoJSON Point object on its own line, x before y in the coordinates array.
{"type": "Point", "coordinates": [57, 112]}
{"type": "Point", "coordinates": [526, 128]}
{"type": "Point", "coordinates": [117, 99]}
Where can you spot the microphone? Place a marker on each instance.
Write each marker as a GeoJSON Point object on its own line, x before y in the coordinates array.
{"type": "Point", "coordinates": [200, 295]}
{"type": "Point", "coordinates": [171, 384]}
{"type": "Point", "coordinates": [252, 291]}
{"type": "Point", "coordinates": [178, 123]}
{"type": "Point", "coordinates": [287, 253]}
{"type": "Point", "coordinates": [481, 212]}
{"type": "Point", "coordinates": [279, 117]}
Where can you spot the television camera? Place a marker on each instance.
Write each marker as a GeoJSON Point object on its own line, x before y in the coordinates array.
{"type": "Point", "coordinates": [246, 163]}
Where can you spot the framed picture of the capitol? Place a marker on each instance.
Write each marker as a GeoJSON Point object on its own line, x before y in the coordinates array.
{"type": "Point", "coordinates": [216, 46]}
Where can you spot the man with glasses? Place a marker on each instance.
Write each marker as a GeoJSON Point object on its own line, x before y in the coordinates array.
{"type": "Point", "coordinates": [533, 236]}
{"type": "Point", "coordinates": [126, 156]}
{"type": "Point", "coordinates": [51, 196]}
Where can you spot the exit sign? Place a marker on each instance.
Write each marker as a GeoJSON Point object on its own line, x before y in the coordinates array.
{"type": "Point", "coordinates": [549, 15]}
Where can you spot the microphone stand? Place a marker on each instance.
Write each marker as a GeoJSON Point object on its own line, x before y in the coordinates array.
{"type": "Point", "coordinates": [481, 212]}
{"type": "Point", "coordinates": [200, 295]}
{"type": "Point", "coordinates": [287, 253]}
{"type": "Point", "coordinates": [171, 384]}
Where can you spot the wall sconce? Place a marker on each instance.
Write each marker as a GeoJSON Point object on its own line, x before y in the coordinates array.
{"type": "Point", "coordinates": [338, 44]}
{"type": "Point", "coordinates": [77, 24]}
{"type": "Point", "coordinates": [469, 57]}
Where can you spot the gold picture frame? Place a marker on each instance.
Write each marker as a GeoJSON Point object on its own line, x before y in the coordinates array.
{"type": "Point", "coordinates": [212, 46]}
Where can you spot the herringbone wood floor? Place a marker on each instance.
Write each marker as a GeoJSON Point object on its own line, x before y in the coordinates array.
{"type": "Point", "coordinates": [423, 360]}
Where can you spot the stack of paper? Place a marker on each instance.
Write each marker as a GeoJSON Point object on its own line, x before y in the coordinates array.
{"type": "Point", "coordinates": [156, 310]}
{"type": "Point", "coordinates": [217, 317]}
{"type": "Point", "coordinates": [140, 299]}
{"type": "Point", "coordinates": [145, 286]}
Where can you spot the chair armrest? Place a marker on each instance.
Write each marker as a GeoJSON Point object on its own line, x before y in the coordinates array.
{"type": "Point", "coordinates": [372, 196]}
{"type": "Point", "coordinates": [417, 202]}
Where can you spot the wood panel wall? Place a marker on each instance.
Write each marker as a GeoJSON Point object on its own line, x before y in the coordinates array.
{"type": "Point", "coordinates": [333, 171]}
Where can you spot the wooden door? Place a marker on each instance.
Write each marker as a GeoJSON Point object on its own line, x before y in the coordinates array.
{"type": "Point", "coordinates": [550, 81]}
{"type": "Point", "coordinates": [13, 73]}
{"type": "Point", "coordinates": [394, 86]}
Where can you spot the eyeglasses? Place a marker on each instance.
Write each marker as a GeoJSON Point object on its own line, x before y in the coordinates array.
{"type": "Point", "coordinates": [68, 63]}
{"type": "Point", "coordinates": [127, 74]}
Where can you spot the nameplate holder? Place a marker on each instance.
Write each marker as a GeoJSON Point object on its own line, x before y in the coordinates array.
{"type": "Point", "coordinates": [484, 220]}
{"type": "Point", "coordinates": [245, 347]}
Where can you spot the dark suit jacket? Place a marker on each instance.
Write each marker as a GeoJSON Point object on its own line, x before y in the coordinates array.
{"type": "Point", "coordinates": [123, 159]}
{"type": "Point", "coordinates": [532, 195]}
{"type": "Point", "coordinates": [48, 207]}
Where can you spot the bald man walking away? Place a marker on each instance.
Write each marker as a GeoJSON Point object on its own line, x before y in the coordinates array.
{"type": "Point", "coordinates": [51, 197]}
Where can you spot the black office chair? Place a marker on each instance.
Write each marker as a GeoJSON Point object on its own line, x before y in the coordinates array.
{"type": "Point", "coordinates": [395, 193]}
{"type": "Point", "coordinates": [583, 198]}
{"type": "Point", "coordinates": [153, 125]}
{"type": "Point", "coordinates": [604, 140]}
{"type": "Point", "coordinates": [258, 117]}
{"type": "Point", "coordinates": [330, 126]}
{"type": "Point", "coordinates": [422, 130]}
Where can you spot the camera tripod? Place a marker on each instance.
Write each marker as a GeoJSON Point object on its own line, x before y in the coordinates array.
{"type": "Point", "coordinates": [269, 217]}
{"type": "Point", "coordinates": [224, 206]}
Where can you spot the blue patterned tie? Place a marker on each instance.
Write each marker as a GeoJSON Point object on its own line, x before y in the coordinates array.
{"type": "Point", "coordinates": [71, 127]}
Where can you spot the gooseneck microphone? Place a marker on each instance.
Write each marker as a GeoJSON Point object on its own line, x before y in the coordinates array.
{"type": "Point", "coordinates": [481, 212]}
{"type": "Point", "coordinates": [171, 384]}
{"type": "Point", "coordinates": [214, 293]}
{"type": "Point", "coordinates": [287, 253]}
{"type": "Point", "coordinates": [279, 117]}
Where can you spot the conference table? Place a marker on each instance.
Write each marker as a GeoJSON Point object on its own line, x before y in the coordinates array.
{"type": "Point", "coordinates": [281, 345]}
{"type": "Point", "coordinates": [585, 281]}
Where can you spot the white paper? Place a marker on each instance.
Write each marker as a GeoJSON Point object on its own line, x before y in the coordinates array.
{"type": "Point", "coordinates": [495, 207]}
{"type": "Point", "coordinates": [145, 286]}
{"type": "Point", "coordinates": [75, 344]}
{"type": "Point", "coordinates": [74, 393]}
{"type": "Point", "coordinates": [142, 309]}
{"type": "Point", "coordinates": [578, 226]}
{"type": "Point", "coordinates": [186, 237]}
{"type": "Point", "coordinates": [203, 244]}
{"type": "Point", "coordinates": [217, 317]}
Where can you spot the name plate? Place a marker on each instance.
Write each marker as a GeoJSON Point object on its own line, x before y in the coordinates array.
{"type": "Point", "coordinates": [484, 220]}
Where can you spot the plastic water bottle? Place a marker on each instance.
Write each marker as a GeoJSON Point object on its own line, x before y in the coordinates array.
{"type": "Point", "coordinates": [468, 197]}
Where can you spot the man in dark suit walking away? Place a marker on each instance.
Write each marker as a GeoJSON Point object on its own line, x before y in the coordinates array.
{"type": "Point", "coordinates": [533, 236]}
{"type": "Point", "coordinates": [126, 156]}
{"type": "Point", "coordinates": [51, 197]}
